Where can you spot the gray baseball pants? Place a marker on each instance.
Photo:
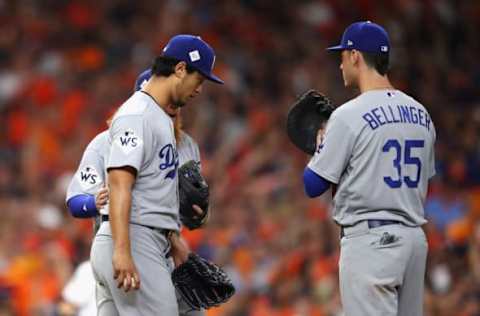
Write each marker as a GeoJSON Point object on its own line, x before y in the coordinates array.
{"type": "Point", "coordinates": [156, 295]}
{"type": "Point", "coordinates": [382, 270]}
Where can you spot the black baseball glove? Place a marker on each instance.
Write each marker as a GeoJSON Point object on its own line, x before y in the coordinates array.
{"type": "Point", "coordinates": [306, 117]}
{"type": "Point", "coordinates": [201, 283]}
{"type": "Point", "coordinates": [193, 189]}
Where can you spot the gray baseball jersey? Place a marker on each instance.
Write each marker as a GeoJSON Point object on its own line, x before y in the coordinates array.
{"type": "Point", "coordinates": [142, 137]}
{"type": "Point", "coordinates": [90, 175]}
{"type": "Point", "coordinates": [187, 149]}
{"type": "Point", "coordinates": [379, 149]}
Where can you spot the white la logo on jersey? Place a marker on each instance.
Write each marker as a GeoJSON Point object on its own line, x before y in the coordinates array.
{"type": "Point", "coordinates": [88, 177]}
{"type": "Point", "coordinates": [127, 141]}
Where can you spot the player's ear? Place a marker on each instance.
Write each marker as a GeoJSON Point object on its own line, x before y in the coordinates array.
{"type": "Point", "coordinates": [354, 56]}
{"type": "Point", "coordinates": [181, 69]}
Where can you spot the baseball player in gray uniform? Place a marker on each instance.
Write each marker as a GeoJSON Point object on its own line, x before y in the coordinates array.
{"type": "Point", "coordinates": [378, 150]}
{"type": "Point", "coordinates": [87, 195]}
{"type": "Point", "coordinates": [129, 251]}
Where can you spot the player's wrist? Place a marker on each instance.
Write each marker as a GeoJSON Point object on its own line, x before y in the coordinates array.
{"type": "Point", "coordinates": [122, 247]}
{"type": "Point", "coordinates": [184, 256]}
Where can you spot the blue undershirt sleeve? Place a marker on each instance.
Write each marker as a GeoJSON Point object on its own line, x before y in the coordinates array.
{"type": "Point", "coordinates": [82, 206]}
{"type": "Point", "coordinates": [314, 184]}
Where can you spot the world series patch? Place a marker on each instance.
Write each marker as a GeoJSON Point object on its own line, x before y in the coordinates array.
{"type": "Point", "coordinates": [89, 178]}
{"type": "Point", "coordinates": [128, 141]}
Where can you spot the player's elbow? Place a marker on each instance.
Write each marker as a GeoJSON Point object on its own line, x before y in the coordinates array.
{"type": "Point", "coordinates": [314, 185]}
{"type": "Point", "coordinates": [310, 193]}
{"type": "Point", "coordinates": [82, 206]}
{"type": "Point", "coordinates": [121, 178]}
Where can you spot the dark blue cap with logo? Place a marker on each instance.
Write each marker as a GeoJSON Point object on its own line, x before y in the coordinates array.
{"type": "Point", "coordinates": [364, 36]}
{"type": "Point", "coordinates": [195, 52]}
{"type": "Point", "coordinates": [142, 79]}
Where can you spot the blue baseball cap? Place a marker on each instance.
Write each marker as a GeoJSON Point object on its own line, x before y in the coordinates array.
{"type": "Point", "coordinates": [195, 52]}
{"type": "Point", "coordinates": [364, 36]}
{"type": "Point", "coordinates": [142, 79]}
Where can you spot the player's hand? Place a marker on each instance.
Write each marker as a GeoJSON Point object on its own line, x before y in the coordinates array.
{"type": "Point", "coordinates": [200, 212]}
{"type": "Point", "coordinates": [101, 198]}
{"type": "Point", "coordinates": [320, 134]}
{"type": "Point", "coordinates": [124, 270]}
{"type": "Point", "coordinates": [179, 248]}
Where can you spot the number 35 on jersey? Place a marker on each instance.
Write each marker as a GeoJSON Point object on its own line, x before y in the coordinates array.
{"type": "Point", "coordinates": [404, 157]}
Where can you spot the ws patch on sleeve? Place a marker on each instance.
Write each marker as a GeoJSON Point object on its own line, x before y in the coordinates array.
{"type": "Point", "coordinates": [128, 141]}
{"type": "Point", "coordinates": [89, 178]}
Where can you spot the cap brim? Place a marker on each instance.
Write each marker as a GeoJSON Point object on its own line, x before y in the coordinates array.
{"type": "Point", "coordinates": [335, 48]}
{"type": "Point", "coordinates": [213, 78]}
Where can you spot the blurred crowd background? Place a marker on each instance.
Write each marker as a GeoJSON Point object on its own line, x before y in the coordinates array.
{"type": "Point", "coordinates": [65, 66]}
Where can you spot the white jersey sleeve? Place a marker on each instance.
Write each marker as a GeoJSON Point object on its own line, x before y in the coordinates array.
{"type": "Point", "coordinates": [333, 154]}
{"type": "Point", "coordinates": [90, 175]}
{"type": "Point", "coordinates": [131, 140]}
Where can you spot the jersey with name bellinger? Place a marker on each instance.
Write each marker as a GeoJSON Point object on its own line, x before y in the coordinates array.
{"type": "Point", "coordinates": [379, 149]}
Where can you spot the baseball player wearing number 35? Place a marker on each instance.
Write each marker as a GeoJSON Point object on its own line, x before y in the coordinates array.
{"type": "Point", "coordinates": [378, 149]}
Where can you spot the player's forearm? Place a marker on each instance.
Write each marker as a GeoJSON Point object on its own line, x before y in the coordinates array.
{"type": "Point", "coordinates": [120, 202]}
{"type": "Point", "coordinates": [179, 250]}
{"type": "Point", "coordinates": [120, 184]}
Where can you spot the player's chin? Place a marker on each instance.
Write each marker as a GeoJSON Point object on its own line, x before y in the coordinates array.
{"type": "Point", "coordinates": [179, 103]}
{"type": "Point", "coordinates": [172, 110]}
{"type": "Point", "coordinates": [185, 100]}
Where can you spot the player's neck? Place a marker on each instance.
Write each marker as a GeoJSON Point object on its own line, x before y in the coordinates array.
{"type": "Point", "coordinates": [158, 89]}
{"type": "Point", "coordinates": [371, 80]}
